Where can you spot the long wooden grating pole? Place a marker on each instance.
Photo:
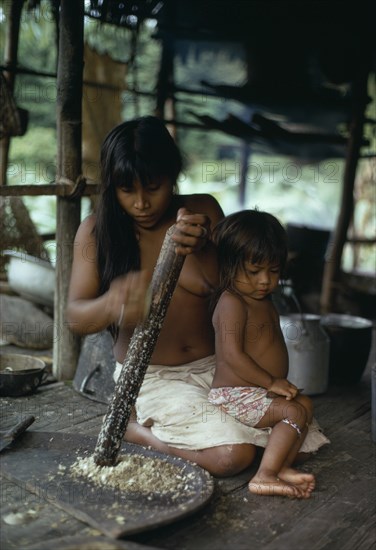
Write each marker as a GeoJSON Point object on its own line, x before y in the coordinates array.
{"type": "Point", "coordinates": [140, 350]}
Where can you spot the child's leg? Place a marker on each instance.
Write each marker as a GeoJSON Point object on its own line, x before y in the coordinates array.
{"type": "Point", "coordinates": [288, 419]}
{"type": "Point", "coordinates": [307, 404]}
{"type": "Point", "coordinates": [305, 481]}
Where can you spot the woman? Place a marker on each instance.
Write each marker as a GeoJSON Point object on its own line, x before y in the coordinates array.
{"type": "Point", "coordinates": [115, 251]}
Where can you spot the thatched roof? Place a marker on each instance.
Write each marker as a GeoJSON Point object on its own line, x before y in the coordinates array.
{"type": "Point", "coordinates": [302, 60]}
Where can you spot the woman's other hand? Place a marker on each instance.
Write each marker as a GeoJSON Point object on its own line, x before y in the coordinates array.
{"type": "Point", "coordinates": [128, 299]}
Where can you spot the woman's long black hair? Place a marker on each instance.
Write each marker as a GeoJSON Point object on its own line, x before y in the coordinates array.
{"type": "Point", "coordinates": [139, 149]}
{"type": "Point", "coordinates": [247, 236]}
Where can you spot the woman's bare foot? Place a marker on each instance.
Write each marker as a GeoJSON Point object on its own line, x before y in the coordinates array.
{"type": "Point", "coordinates": [273, 485]}
{"type": "Point", "coordinates": [304, 481]}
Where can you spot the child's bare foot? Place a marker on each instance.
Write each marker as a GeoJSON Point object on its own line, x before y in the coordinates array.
{"type": "Point", "coordinates": [304, 481]}
{"type": "Point", "coordinates": [273, 485]}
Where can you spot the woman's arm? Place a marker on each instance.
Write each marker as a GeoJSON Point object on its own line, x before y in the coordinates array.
{"type": "Point", "coordinates": [195, 223]}
{"type": "Point", "coordinates": [87, 311]}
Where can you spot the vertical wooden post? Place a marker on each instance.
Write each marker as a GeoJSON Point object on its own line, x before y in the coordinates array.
{"type": "Point", "coordinates": [333, 262]}
{"type": "Point", "coordinates": [165, 82]}
{"type": "Point", "coordinates": [10, 59]}
{"type": "Point", "coordinates": [32, 242]}
{"type": "Point", "coordinates": [245, 151]}
{"type": "Point", "coordinates": [165, 76]}
{"type": "Point", "coordinates": [69, 130]}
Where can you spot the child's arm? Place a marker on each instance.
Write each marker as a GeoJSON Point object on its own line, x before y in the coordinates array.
{"type": "Point", "coordinates": [230, 320]}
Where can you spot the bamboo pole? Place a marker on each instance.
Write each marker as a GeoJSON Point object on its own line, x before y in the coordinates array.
{"type": "Point", "coordinates": [44, 190]}
{"type": "Point", "coordinates": [140, 350]}
{"type": "Point", "coordinates": [33, 243]}
{"type": "Point", "coordinates": [69, 122]}
{"type": "Point", "coordinates": [10, 58]}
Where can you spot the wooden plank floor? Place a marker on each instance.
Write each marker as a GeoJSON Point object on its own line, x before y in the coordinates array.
{"type": "Point", "coordinates": [340, 515]}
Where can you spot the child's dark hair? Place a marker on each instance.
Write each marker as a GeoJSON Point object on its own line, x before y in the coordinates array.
{"type": "Point", "coordinates": [248, 236]}
{"type": "Point", "coordinates": [141, 149]}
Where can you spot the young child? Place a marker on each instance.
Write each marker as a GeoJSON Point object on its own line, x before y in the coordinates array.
{"type": "Point", "coordinates": [250, 381]}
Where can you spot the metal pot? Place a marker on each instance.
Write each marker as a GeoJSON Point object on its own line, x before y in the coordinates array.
{"type": "Point", "coordinates": [350, 345]}
{"type": "Point", "coordinates": [308, 349]}
{"type": "Point", "coordinates": [20, 374]}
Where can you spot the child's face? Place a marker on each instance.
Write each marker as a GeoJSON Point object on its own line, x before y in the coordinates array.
{"type": "Point", "coordinates": [257, 280]}
{"type": "Point", "coordinates": [146, 205]}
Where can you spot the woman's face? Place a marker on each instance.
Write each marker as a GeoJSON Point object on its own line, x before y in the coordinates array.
{"type": "Point", "coordinates": [146, 205]}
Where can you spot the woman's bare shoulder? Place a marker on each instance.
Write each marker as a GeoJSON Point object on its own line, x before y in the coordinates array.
{"type": "Point", "coordinates": [200, 201]}
{"type": "Point", "coordinates": [204, 204]}
{"type": "Point", "coordinates": [85, 229]}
